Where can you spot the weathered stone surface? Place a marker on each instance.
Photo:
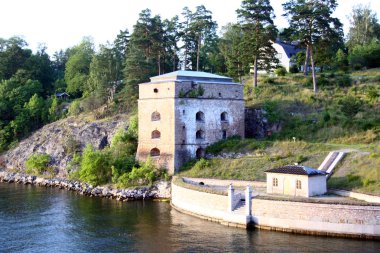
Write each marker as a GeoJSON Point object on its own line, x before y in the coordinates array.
{"type": "Point", "coordinates": [257, 124]}
{"type": "Point", "coordinates": [53, 139]}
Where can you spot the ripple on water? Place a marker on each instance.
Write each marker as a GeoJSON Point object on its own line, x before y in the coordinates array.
{"type": "Point", "coordinates": [37, 219]}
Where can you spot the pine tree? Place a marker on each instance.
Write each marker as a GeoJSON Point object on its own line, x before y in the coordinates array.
{"type": "Point", "coordinates": [311, 23]}
{"type": "Point", "coordinates": [256, 18]}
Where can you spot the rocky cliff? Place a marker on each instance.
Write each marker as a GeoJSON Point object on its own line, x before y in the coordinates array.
{"type": "Point", "coordinates": [58, 140]}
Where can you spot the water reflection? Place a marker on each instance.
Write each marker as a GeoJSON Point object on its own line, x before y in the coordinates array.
{"type": "Point", "coordinates": [35, 219]}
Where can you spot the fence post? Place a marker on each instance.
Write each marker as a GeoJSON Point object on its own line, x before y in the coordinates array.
{"type": "Point", "coordinates": [231, 193]}
{"type": "Point", "coordinates": [248, 200]}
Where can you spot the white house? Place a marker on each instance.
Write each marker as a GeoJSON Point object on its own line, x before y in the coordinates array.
{"type": "Point", "coordinates": [285, 52]}
{"type": "Point", "coordinates": [296, 181]}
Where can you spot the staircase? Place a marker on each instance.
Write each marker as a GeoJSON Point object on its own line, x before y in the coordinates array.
{"type": "Point", "coordinates": [330, 162]}
{"type": "Point", "coordinates": [240, 208]}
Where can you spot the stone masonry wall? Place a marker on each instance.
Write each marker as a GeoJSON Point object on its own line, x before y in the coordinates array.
{"type": "Point", "coordinates": [361, 221]}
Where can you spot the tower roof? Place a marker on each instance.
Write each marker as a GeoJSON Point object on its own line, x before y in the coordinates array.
{"type": "Point", "coordinates": [186, 75]}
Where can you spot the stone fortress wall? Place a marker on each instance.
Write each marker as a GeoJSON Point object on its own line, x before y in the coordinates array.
{"type": "Point", "coordinates": [195, 109]}
{"type": "Point", "coordinates": [344, 220]}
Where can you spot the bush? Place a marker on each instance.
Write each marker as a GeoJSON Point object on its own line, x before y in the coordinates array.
{"type": "Point", "coordinates": [294, 69]}
{"type": "Point", "coordinates": [343, 81]}
{"type": "Point", "coordinates": [281, 71]}
{"type": "Point", "coordinates": [37, 164]}
{"type": "Point", "coordinates": [75, 108]}
{"type": "Point", "coordinates": [95, 167]}
{"type": "Point", "coordinates": [350, 106]}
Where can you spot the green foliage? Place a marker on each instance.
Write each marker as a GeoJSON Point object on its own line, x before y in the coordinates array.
{"type": "Point", "coordinates": [256, 19]}
{"type": "Point", "coordinates": [37, 164]}
{"type": "Point", "coordinates": [75, 108]}
{"type": "Point", "coordinates": [365, 56]}
{"type": "Point", "coordinates": [94, 167]}
{"type": "Point", "coordinates": [350, 106]}
{"type": "Point", "coordinates": [294, 69]}
{"type": "Point", "coordinates": [78, 67]}
{"type": "Point", "coordinates": [281, 71]}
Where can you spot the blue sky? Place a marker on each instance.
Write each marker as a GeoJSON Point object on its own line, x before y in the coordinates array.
{"type": "Point", "coordinates": [63, 23]}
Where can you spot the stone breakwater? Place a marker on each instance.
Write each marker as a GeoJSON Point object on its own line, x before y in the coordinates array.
{"type": "Point", "coordinates": [159, 190]}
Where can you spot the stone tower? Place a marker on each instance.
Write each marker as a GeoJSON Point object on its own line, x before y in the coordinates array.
{"type": "Point", "coordinates": [182, 112]}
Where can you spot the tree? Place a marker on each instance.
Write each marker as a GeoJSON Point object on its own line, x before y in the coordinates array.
{"type": "Point", "coordinates": [364, 27]}
{"type": "Point", "coordinates": [13, 56]}
{"type": "Point", "coordinates": [256, 18]}
{"type": "Point", "coordinates": [198, 37]}
{"type": "Point", "coordinates": [230, 48]}
{"type": "Point", "coordinates": [311, 23]}
{"type": "Point", "coordinates": [78, 67]}
{"type": "Point", "coordinates": [105, 72]}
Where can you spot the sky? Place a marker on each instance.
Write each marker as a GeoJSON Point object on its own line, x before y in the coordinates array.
{"type": "Point", "coordinates": [60, 24]}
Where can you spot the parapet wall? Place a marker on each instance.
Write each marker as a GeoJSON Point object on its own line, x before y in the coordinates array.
{"type": "Point", "coordinates": [201, 203]}
{"type": "Point", "coordinates": [322, 219]}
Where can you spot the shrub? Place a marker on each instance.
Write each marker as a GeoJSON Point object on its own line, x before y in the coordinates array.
{"type": "Point", "coordinates": [281, 71]}
{"type": "Point", "coordinates": [350, 106]}
{"type": "Point", "coordinates": [343, 81]}
{"type": "Point", "coordinates": [75, 108]}
{"type": "Point", "coordinates": [294, 69]}
{"type": "Point", "coordinates": [37, 163]}
{"type": "Point", "coordinates": [95, 167]}
{"type": "Point", "coordinates": [267, 80]}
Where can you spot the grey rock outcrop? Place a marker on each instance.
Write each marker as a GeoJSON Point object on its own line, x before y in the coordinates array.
{"type": "Point", "coordinates": [159, 190]}
{"type": "Point", "coordinates": [57, 138]}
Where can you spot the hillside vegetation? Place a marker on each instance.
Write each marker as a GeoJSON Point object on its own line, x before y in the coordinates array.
{"type": "Point", "coordinates": [343, 115]}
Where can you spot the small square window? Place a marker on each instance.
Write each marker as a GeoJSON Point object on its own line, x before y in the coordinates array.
{"type": "Point", "coordinates": [275, 182]}
{"type": "Point", "coordinates": [298, 184]}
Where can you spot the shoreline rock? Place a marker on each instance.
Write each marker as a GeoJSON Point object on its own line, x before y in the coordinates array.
{"type": "Point", "coordinates": [159, 190]}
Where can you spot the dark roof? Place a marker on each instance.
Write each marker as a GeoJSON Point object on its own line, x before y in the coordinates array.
{"type": "Point", "coordinates": [297, 170]}
{"type": "Point", "coordinates": [62, 94]}
{"type": "Point", "coordinates": [289, 49]}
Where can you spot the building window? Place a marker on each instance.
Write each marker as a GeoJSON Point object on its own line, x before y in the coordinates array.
{"type": "Point", "coordinates": [200, 135]}
{"type": "Point", "coordinates": [156, 116]}
{"type": "Point", "coordinates": [223, 116]}
{"type": "Point", "coordinates": [200, 116]}
{"type": "Point", "coordinates": [183, 112]}
{"type": "Point", "coordinates": [298, 184]}
{"type": "Point", "coordinates": [155, 90]}
{"type": "Point", "coordinates": [275, 182]}
{"type": "Point", "coordinates": [200, 153]}
{"type": "Point", "coordinates": [220, 94]}
{"type": "Point", "coordinates": [224, 134]}
{"type": "Point", "coordinates": [154, 152]}
{"type": "Point", "coordinates": [156, 134]}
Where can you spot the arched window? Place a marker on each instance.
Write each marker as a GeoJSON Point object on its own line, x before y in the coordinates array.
{"type": "Point", "coordinates": [155, 116]}
{"type": "Point", "coordinates": [224, 116]}
{"type": "Point", "coordinates": [200, 153]}
{"type": "Point", "coordinates": [156, 134]}
{"type": "Point", "coordinates": [200, 116]}
{"type": "Point", "coordinates": [200, 135]}
{"type": "Point", "coordinates": [155, 90]}
{"type": "Point", "coordinates": [154, 152]}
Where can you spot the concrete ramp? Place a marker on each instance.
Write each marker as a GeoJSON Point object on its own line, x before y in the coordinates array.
{"type": "Point", "coordinates": [330, 162]}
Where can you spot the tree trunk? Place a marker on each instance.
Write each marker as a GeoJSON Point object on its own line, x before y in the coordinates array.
{"type": "Point", "coordinates": [255, 73]}
{"type": "Point", "coordinates": [315, 88]}
{"type": "Point", "coordinates": [159, 64]}
{"type": "Point", "coordinates": [305, 66]}
{"type": "Point", "coordinates": [198, 52]}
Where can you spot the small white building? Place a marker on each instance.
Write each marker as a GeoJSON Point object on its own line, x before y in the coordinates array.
{"type": "Point", "coordinates": [296, 181]}
{"type": "Point", "coordinates": [285, 52]}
